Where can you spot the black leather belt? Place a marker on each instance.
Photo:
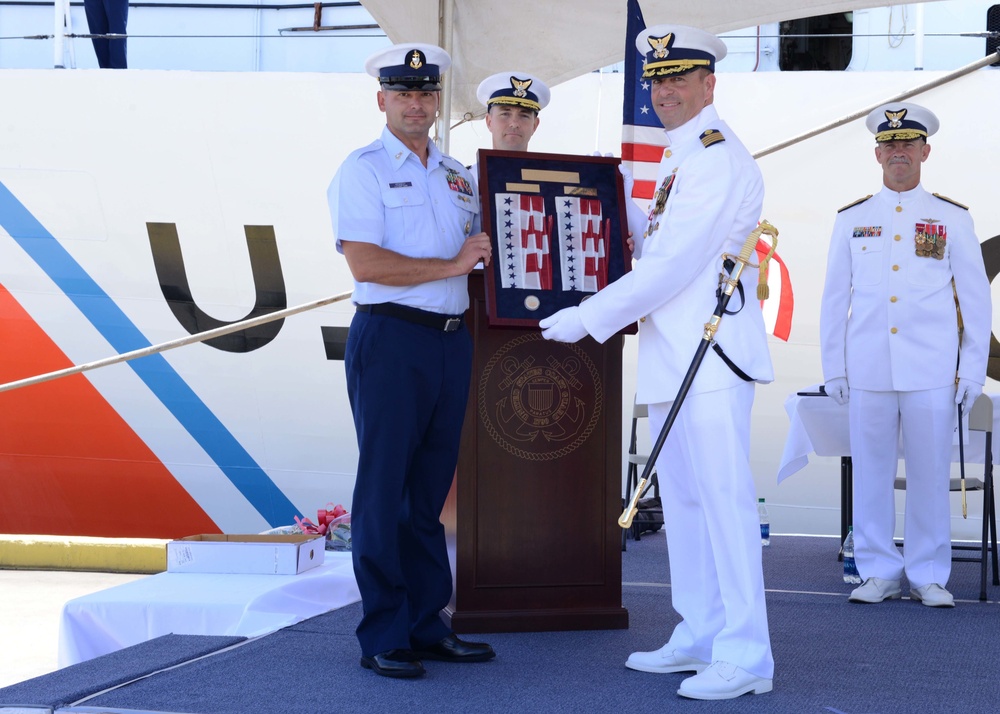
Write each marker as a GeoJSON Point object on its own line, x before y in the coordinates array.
{"type": "Point", "coordinates": [434, 320]}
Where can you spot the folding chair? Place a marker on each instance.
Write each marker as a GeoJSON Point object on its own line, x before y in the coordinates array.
{"type": "Point", "coordinates": [980, 419]}
{"type": "Point", "coordinates": [636, 463]}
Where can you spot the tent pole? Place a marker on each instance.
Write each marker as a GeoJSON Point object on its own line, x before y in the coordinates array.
{"type": "Point", "coordinates": [442, 126]}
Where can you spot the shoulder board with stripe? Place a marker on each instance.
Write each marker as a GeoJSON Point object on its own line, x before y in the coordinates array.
{"type": "Point", "coordinates": [855, 203]}
{"type": "Point", "coordinates": [711, 136]}
{"type": "Point", "coordinates": [951, 201]}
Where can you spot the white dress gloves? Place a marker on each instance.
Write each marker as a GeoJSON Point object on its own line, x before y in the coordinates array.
{"type": "Point", "coordinates": [563, 326]}
{"type": "Point", "coordinates": [838, 390]}
{"type": "Point", "coordinates": [967, 393]}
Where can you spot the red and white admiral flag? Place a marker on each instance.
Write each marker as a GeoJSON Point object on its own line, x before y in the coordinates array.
{"type": "Point", "coordinates": [583, 238]}
{"type": "Point", "coordinates": [524, 241]}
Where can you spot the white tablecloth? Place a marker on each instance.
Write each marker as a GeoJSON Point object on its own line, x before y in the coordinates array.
{"type": "Point", "coordinates": [818, 425]}
{"type": "Point", "coordinates": [201, 604]}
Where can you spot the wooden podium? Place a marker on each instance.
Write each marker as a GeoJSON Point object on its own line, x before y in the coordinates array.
{"type": "Point", "coordinates": [532, 517]}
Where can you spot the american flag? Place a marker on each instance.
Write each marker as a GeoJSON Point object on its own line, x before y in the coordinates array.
{"type": "Point", "coordinates": [642, 133]}
{"type": "Point", "coordinates": [642, 149]}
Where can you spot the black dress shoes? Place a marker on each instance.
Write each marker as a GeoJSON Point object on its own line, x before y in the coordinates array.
{"type": "Point", "coordinates": [452, 649]}
{"type": "Point", "coordinates": [394, 663]}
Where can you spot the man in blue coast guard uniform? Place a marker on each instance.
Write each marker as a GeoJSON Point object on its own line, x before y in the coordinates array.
{"type": "Point", "coordinates": [894, 349]}
{"type": "Point", "coordinates": [406, 219]}
{"type": "Point", "coordinates": [513, 101]}
{"type": "Point", "coordinates": [708, 201]}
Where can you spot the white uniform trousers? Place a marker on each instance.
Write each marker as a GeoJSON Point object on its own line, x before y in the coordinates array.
{"type": "Point", "coordinates": [927, 418]}
{"type": "Point", "coordinates": [713, 530]}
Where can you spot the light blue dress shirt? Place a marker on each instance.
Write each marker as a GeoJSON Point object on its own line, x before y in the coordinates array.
{"type": "Point", "coordinates": [383, 195]}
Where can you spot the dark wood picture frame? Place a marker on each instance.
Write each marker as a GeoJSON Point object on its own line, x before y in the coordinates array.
{"type": "Point", "coordinates": [553, 258]}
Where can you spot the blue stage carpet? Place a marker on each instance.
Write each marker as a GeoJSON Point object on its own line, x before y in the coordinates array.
{"type": "Point", "coordinates": [830, 656]}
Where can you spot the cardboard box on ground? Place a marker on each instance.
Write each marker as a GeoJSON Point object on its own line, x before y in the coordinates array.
{"type": "Point", "coordinates": [252, 554]}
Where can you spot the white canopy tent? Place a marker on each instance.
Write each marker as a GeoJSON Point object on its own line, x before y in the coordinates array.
{"type": "Point", "coordinates": [561, 39]}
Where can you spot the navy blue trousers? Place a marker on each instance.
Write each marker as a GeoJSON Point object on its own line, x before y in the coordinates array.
{"type": "Point", "coordinates": [108, 17]}
{"type": "Point", "coordinates": [408, 386]}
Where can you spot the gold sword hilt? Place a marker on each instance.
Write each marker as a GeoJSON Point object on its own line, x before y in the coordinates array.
{"type": "Point", "coordinates": [750, 244]}
{"type": "Point", "coordinates": [625, 521]}
{"type": "Point", "coordinates": [743, 259]}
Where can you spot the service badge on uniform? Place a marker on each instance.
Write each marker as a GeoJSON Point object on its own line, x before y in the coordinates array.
{"type": "Point", "coordinates": [662, 194]}
{"type": "Point", "coordinates": [930, 239]}
{"type": "Point", "coordinates": [659, 204]}
{"type": "Point", "coordinates": [457, 182]}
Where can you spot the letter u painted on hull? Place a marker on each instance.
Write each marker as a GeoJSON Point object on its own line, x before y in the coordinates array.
{"type": "Point", "coordinates": [269, 284]}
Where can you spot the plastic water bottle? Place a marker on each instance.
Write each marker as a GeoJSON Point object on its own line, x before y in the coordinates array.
{"type": "Point", "coordinates": [851, 574]}
{"type": "Point", "coordinates": [765, 523]}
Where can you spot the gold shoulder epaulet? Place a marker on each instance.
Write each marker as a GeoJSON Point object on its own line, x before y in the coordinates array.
{"type": "Point", "coordinates": [854, 203]}
{"type": "Point", "coordinates": [711, 136]}
{"type": "Point", "coordinates": [951, 201]}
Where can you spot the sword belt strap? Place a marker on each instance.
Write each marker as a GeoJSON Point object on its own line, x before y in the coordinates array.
{"type": "Point", "coordinates": [732, 365]}
{"type": "Point", "coordinates": [728, 264]}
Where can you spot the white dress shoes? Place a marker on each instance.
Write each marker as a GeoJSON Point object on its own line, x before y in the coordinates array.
{"type": "Point", "coordinates": [723, 680]}
{"type": "Point", "coordinates": [932, 595]}
{"type": "Point", "coordinates": [875, 590]}
{"type": "Point", "coordinates": [663, 661]}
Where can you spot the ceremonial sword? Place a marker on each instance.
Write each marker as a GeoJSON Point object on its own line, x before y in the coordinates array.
{"type": "Point", "coordinates": [707, 339]}
{"type": "Point", "coordinates": [961, 461]}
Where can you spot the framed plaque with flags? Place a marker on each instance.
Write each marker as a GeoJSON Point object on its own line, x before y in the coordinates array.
{"type": "Point", "coordinates": [558, 228]}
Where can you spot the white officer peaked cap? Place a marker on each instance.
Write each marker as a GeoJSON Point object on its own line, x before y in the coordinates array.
{"type": "Point", "coordinates": [409, 66]}
{"type": "Point", "coordinates": [677, 49]}
{"type": "Point", "coordinates": [901, 121]}
{"type": "Point", "coordinates": [513, 88]}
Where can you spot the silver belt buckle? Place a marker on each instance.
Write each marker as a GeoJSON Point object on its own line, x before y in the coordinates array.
{"type": "Point", "coordinates": [452, 324]}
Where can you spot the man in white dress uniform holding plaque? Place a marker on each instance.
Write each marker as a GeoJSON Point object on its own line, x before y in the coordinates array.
{"type": "Point", "coordinates": [708, 202]}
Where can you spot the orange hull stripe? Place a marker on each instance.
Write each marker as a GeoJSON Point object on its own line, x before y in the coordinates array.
{"type": "Point", "coordinates": [69, 463]}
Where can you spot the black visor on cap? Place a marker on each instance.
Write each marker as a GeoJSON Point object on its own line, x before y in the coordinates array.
{"type": "Point", "coordinates": [417, 74]}
{"type": "Point", "coordinates": [400, 84]}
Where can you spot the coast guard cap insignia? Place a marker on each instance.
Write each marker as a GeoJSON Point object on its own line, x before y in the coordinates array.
{"type": "Point", "coordinates": [416, 59]}
{"type": "Point", "coordinates": [677, 49]}
{"type": "Point", "coordinates": [895, 118]}
{"type": "Point", "coordinates": [512, 88]}
{"type": "Point", "coordinates": [901, 122]}
{"type": "Point", "coordinates": [661, 45]}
